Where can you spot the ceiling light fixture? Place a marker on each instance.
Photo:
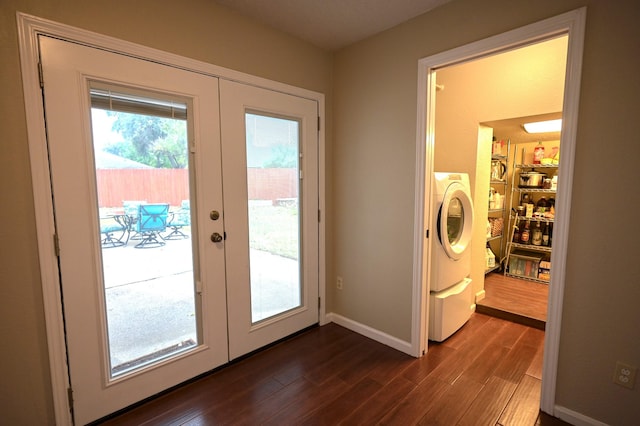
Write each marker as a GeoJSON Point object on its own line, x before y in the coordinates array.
{"type": "Point", "coordinates": [543, 126]}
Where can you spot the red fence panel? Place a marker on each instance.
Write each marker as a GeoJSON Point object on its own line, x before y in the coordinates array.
{"type": "Point", "coordinates": [153, 185]}
{"type": "Point", "coordinates": [172, 185]}
{"type": "Point", "coordinates": [272, 184]}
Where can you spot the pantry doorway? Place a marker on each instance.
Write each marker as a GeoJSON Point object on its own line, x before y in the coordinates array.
{"type": "Point", "coordinates": [570, 24]}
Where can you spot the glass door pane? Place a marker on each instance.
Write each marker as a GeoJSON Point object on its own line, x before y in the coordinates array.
{"type": "Point", "coordinates": [273, 158]}
{"type": "Point", "coordinates": [143, 187]}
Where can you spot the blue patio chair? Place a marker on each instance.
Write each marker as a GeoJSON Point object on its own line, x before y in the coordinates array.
{"type": "Point", "coordinates": [131, 210]}
{"type": "Point", "coordinates": [114, 230]}
{"type": "Point", "coordinates": [178, 220]}
{"type": "Point", "coordinates": [151, 221]}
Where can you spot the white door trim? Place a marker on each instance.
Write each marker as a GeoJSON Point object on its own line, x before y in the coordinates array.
{"type": "Point", "coordinates": [29, 28]}
{"type": "Point", "coordinates": [573, 24]}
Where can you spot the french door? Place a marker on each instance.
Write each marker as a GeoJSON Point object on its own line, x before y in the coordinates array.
{"type": "Point", "coordinates": [271, 203]}
{"type": "Point", "coordinates": [172, 247]}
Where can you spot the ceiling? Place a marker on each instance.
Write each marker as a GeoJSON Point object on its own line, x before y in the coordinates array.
{"type": "Point", "coordinates": [332, 24]}
{"type": "Point", "coordinates": [512, 128]}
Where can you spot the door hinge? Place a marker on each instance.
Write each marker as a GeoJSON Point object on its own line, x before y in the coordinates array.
{"type": "Point", "coordinates": [427, 234]}
{"type": "Point", "coordinates": [199, 287]}
{"type": "Point", "coordinates": [318, 123]}
{"type": "Point", "coordinates": [319, 302]}
{"type": "Point", "coordinates": [40, 75]}
{"type": "Point", "coordinates": [319, 215]}
{"type": "Point", "coordinates": [56, 244]}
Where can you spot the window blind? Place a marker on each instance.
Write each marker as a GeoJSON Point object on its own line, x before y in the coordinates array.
{"type": "Point", "coordinates": [126, 102]}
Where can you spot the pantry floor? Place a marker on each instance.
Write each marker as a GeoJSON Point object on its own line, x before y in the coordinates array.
{"type": "Point", "coordinates": [516, 300]}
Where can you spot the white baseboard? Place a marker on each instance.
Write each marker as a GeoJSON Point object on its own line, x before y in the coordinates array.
{"type": "Point", "coordinates": [480, 295]}
{"type": "Point", "coordinates": [575, 418]}
{"type": "Point", "coordinates": [371, 333]}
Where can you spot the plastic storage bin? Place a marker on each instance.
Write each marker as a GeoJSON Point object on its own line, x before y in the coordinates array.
{"type": "Point", "coordinates": [524, 264]}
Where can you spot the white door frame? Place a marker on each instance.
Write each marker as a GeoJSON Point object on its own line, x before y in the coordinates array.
{"type": "Point", "coordinates": [572, 24]}
{"type": "Point", "coordinates": [29, 28]}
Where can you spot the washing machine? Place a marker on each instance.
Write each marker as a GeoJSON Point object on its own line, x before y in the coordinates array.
{"type": "Point", "coordinates": [451, 290]}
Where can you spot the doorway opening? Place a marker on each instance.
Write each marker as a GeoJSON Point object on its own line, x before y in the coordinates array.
{"type": "Point", "coordinates": [520, 241]}
{"type": "Point", "coordinates": [570, 24]}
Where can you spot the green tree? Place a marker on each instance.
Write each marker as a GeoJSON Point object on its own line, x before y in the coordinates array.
{"type": "Point", "coordinates": [155, 141]}
{"type": "Point", "coordinates": [282, 156]}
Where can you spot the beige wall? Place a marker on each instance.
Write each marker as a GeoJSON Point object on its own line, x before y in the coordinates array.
{"type": "Point", "coordinates": [370, 172]}
{"type": "Point", "coordinates": [375, 110]}
{"type": "Point", "coordinates": [197, 29]}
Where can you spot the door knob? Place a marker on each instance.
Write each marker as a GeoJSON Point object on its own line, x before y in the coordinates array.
{"type": "Point", "coordinates": [216, 238]}
{"type": "Point", "coordinates": [214, 215]}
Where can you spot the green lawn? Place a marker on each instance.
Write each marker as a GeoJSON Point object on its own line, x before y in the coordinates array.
{"type": "Point", "coordinates": [274, 229]}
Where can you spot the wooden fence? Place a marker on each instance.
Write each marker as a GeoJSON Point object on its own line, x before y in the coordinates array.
{"type": "Point", "coordinates": [172, 185]}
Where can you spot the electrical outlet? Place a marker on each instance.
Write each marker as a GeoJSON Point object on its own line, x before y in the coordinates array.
{"type": "Point", "coordinates": [339, 283]}
{"type": "Point", "coordinates": [625, 375]}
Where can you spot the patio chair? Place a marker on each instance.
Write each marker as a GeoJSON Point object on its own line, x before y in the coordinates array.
{"type": "Point", "coordinates": [178, 220]}
{"type": "Point", "coordinates": [114, 230]}
{"type": "Point", "coordinates": [131, 210]}
{"type": "Point", "coordinates": [151, 221]}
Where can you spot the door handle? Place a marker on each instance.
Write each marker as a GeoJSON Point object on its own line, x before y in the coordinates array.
{"type": "Point", "coordinates": [216, 238]}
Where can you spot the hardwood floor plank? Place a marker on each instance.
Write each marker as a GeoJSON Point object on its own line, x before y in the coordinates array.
{"type": "Point", "coordinates": [510, 334]}
{"type": "Point", "coordinates": [437, 353]}
{"type": "Point", "coordinates": [342, 405]}
{"type": "Point", "coordinates": [535, 369]}
{"type": "Point", "coordinates": [516, 363]}
{"type": "Point", "coordinates": [453, 403]}
{"type": "Point", "coordinates": [279, 402]}
{"type": "Point", "coordinates": [489, 404]}
{"type": "Point", "coordinates": [347, 358]}
{"type": "Point", "coordinates": [486, 363]}
{"type": "Point", "coordinates": [307, 355]}
{"type": "Point", "coordinates": [524, 406]}
{"type": "Point", "coordinates": [329, 375]}
{"type": "Point", "coordinates": [380, 363]}
{"type": "Point", "coordinates": [186, 402]}
{"type": "Point", "coordinates": [234, 401]}
{"type": "Point", "coordinates": [417, 403]}
{"type": "Point", "coordinates": [515, 300]}
{"type": "Point", "coordinates": [390, 364]}
{"type": "Point", "coordinates": [467, 331]}
{"type": "Point", "coordinates": [467, 353]}
{"type": "Point", "coordinates": [380, 403]}
{"type": "Point", "coordinates": [313, 397]}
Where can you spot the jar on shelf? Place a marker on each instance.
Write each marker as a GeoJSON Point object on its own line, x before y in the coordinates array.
{"type": "Point", "coordinates": [542, 205]}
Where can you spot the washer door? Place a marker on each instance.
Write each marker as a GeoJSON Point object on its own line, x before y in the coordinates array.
{"type": "Point", "coordinates": [455, 221]}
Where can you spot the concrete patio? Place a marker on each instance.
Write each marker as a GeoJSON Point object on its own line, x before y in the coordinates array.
{"type": "Point", "coordinates": [149, 297]}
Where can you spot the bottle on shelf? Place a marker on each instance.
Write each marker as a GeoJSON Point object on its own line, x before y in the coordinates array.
{"type": "Point", "coordinates": [536, 235]}
{"type": "Point", "coordinates": [516, 233]}
{"type": "Point", "coordinates": [545, 235]}
{"type": "Point", "coordinates": [525, 234]}
{"type": "Point", "coordinates": [490, 257]}
{"type": "Point", "coordinates": [538, 153]}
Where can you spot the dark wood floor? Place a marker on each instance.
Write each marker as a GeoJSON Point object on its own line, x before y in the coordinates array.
{"type": "Point", "coordinates": [488, 373]}
{"type": "Point", "coordinates": [514, 299]}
